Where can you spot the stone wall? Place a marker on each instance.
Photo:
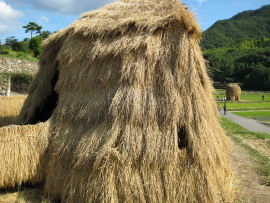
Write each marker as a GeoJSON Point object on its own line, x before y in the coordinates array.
{"type": "Point", "coordinates": [17, 65]}
{"type": "Point", "coordinates": [4, 85]}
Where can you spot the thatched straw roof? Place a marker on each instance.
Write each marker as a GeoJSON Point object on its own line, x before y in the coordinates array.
{"type": "Point", "coordinates": [130, 109]}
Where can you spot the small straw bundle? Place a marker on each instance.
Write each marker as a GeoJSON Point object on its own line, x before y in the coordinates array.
{"type": "Point", "coordinates": [21, 149]}
{"type": "Point", "coordinates": [135, 120]}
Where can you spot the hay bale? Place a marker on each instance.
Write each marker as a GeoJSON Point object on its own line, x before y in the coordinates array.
{"type": "Point", "coordinates": [21, 152]}
{"type": "Point", "coordinates": [134, 116]}
{"type": "Point", "coordinates": [233, 92]}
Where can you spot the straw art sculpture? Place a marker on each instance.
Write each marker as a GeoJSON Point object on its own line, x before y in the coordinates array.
{"type": "Point", "coordinates": [122, 110]}
{"type": "Point", "coordinates": [233, 92]}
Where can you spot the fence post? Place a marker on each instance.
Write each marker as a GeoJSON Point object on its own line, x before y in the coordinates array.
{"type": "Point", "coordinates": [8, 85]}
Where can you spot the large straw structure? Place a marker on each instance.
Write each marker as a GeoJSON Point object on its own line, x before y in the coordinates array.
{"type": "Point", "coordinates": [134, 117]}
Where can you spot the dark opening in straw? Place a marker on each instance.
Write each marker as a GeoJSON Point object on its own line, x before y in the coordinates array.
{"type": "Point", "coordinates": [182, 138]}
{"type": "Point", "coordinates": [44, 111]}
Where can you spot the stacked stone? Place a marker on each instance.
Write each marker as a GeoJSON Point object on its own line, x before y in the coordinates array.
{"type": "Point", "coordinates": [4, 85]}
{"type": "Point", "coordinates": [17, 65]}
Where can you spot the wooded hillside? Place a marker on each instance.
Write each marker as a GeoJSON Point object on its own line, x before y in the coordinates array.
{"type": "Point", "coordinates": [241, 27]}
{"type": "Point", "coordinates": [238, 49]}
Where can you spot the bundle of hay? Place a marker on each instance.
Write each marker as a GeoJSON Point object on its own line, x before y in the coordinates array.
{"type": "Point", "coordinates": [130, 109]}
{"type": "Point", "coordinates": [21, 152]}
{"type": "Point", "coordinates": [233, 92]}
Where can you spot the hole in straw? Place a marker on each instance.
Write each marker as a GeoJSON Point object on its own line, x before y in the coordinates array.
{"type": "Point", "coordinates": [44, 111]}
{"type": "Point", "coordinates": [182, 138]}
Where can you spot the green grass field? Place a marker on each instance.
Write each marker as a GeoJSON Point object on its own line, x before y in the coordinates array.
{"type": "Point", "coordinates": [248, 97]}
{"type": "Point", "coordinates": [256, 115]}
{"type": "Point", "coordinates": [255, 97]}
{"type": "Point", "coordinates": [246, 106]}
{"type": "Point", "coordinates": [252, 113]}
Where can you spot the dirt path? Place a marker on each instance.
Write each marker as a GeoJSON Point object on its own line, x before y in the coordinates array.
{"type": "Point", "coordinates": [249, 182]}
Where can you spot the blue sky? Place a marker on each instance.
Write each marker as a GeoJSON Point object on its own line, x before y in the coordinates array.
{"type": "Point", "coordinates": [54, 15]}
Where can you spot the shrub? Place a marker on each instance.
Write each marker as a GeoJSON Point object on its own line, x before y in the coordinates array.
{"type": "Point", "coordinates": [22, 55]}
{"type": "Point", "coordinates": [21, 47]}
{"type": "Point", "coordinates": [2, 50]}
{"type": "Point", "coordinates": [35, 45]}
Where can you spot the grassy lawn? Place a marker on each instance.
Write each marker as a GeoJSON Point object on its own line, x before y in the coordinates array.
{"type": "Point", "coordinates": [20, 55]}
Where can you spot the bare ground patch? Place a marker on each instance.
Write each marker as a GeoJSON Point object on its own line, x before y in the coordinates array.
{"type": "Point", "coordinates": [26, 195]}
{"type": "Point", "coordinates": [248, 180]}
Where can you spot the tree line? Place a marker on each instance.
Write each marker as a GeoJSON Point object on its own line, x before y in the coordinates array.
{"type": "Point", "coordinates": [28, 45]}
{"type": "Point", "coordinates": [247, 62]}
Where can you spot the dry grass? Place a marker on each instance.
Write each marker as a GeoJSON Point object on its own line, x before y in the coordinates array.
{"type": "Point", "coordinates": [136, 120]}
{"type": "Point", "coordinates": [11, 106]}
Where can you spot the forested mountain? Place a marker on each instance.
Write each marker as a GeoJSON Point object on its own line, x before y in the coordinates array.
{"type": "Point", "coordinates": [238, 49]}
{"type": "Point", "coordinates": [241, 27]}
{"type": "Point", "coordinates": [247, 62]}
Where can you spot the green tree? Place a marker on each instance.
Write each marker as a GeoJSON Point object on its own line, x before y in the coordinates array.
{"type": "Point", "coordinates": [35, 45]}
{"type": "Point", "coordinates": [9, 41]}
{"type": "Point", "coordinates": [45, 34]}
{"type": "Point", "coordinates": [32, 27]}
{"type": "Point", "coordinates": [259, 78]}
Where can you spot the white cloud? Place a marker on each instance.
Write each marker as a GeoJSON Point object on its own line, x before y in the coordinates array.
{"type": "Point", "coordinates": [43, 20]}
{"type": "Point", "coordinates": [200, 1]}
{"type": "Point", "coordinates": [70, 7]}
{"type": "Point", "coordinates": [9, 18]}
